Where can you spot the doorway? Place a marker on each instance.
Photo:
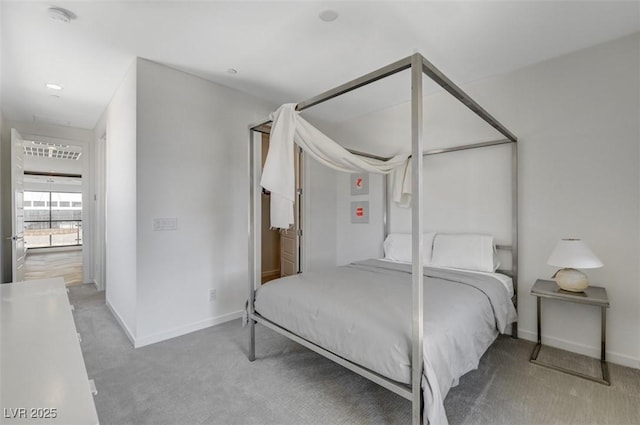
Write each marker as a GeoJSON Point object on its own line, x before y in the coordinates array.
{"type": "Point", "coordinates": [280, 249]}
{"type": "Point", "coordinates": [53, 228]}
{"type": "Point", "coordinates": [53, 209]}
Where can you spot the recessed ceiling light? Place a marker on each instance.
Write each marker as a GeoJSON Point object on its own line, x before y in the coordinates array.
{"type": "Point", "coordinates": [328, 15]}
{"type": "Point", "coordinates": [53, 86]}
{"type": "Point", "coordinates": [61, 15]}
{"type": "Point", "coordinates": [232, 71]}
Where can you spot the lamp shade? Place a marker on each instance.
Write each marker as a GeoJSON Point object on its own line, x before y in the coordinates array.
{"type": "Point", "coordinates": [573, 253]}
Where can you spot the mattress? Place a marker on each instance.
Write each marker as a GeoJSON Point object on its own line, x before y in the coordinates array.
{"type": "Point", "coordinates": [362, 312]}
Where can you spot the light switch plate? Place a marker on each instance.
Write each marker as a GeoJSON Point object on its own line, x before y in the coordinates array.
{"type": "Point", "coordinates": [160, 224]}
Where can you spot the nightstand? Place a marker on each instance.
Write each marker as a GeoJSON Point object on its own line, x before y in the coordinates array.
{"type": "Point", "coordinates": [593, 295]}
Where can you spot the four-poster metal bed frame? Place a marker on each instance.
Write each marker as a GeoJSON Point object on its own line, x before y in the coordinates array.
{"type": "Point", "coordinates": [418, 66]}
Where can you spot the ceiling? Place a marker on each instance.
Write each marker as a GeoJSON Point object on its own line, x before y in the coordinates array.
{"type": "Point", "coordinates": [282, 51]}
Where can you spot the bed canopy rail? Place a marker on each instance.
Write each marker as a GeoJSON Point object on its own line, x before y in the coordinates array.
{"type": "Point", "coordinates": [419, 66]}
{"type": "Point", "coordinates": [438, 77]}
{"type": "Point", "coordinates": [427, 68]}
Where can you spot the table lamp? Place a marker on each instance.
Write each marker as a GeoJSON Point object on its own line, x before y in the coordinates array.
{"type": "Point", "coordinates": [572, 254]}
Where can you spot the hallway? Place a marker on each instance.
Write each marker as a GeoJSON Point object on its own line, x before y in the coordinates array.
{"type": "Point", "coordinates": [41, 264]}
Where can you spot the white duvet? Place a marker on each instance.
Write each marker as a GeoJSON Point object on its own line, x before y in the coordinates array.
{"type": "Point", "coordinates": [362, 312]}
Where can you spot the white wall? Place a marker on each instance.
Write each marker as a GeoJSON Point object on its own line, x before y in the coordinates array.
{"type": "Point", "coordinates": [365, 239]}
{"type": "Point", "coordinates": [471, 175]}
{"type": "Point", "coordinates": [576, 117]}
{"type": "Point", "coordinates": [121, 190]}
{"type": "Point", "coordinates": [3, 190]}
{"type": "Point", "coordinates": [54, 165]}
{"type": "Point", "coordinates": [50, 133]}
{"type": "Point", "coordinates": [319, 239]}
{"type": "Point", "coordinates": [98, 153]}
{"type": "Point", "coordinates": [53, 187]}
{"type": "Point", "coordinates": [191, 164]}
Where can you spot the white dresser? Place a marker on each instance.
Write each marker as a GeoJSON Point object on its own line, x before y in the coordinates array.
{"type": "Point", "coordinates": [43, 378]}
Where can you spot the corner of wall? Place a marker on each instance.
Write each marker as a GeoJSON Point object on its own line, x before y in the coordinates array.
{"type": "Point", "coordinates": [3, 191]}
{"type": "Point", "coordinates": [3, 213]}
{"type": "Point", "coordinates": [5, 195]}
{"type": "Point", "coordinates": [121, 204]}
{"type": "Point", "coordinates": [98, 148]}
{"type": "Point", "coordinates": [637, 123]}
{"type": "Point", "coordinates": [123, 324]}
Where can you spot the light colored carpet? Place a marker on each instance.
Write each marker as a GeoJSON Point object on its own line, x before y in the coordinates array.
{"type": "Point", "coordinates": [205, 378]}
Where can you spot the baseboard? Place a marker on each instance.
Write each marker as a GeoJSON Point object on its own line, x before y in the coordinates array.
{"type": "Point", "coordinates": [124, 327]}
{"type": "Point", "coordinates": [46, 249]}
{"type": "Point", "coordinates": [612, 357]}
{"type": "Point", "coordinates": [95, 282]}
{"type": "Point", "coordinates": [183, 330]}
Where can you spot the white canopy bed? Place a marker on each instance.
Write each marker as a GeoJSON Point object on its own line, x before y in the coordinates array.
{"type": "Point", "coordinates": [332, 302]}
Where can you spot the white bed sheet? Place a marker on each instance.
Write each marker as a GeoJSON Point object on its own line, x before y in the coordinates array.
{"type": "Point", "coordinates": [362, 312]}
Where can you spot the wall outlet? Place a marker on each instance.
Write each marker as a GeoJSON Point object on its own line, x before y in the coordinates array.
{"type": "Point", "coordinates": [212, 294]}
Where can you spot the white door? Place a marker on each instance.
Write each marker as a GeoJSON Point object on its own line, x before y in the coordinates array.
{"type": "Point", "coordinates": [288, 252]}
{"type": "Point", "coordinates": [17, 206]}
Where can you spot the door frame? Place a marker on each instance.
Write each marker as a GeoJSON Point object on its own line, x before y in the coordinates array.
{"type": "Point", "coordinates": [87, 206]}
{"type": "Point", "coordinates": [297, 225]}
{"type": "Point", "coordinates": [98, 187]}
{"type": "Point", "coordinates": [255, 177]}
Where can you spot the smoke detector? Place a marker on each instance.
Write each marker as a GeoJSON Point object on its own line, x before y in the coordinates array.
{"type": "Point", "coordinates": [61, 15]}
{"type": "Point", "coordinates": [328, 15]}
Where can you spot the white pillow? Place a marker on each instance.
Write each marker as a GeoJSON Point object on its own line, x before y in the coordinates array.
{"type": "Point", "coordinates": [464, 251]}
{"type": "Point", "coordinates": [397, 247]}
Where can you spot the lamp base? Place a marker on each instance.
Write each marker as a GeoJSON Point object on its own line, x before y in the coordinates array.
{"type": "Point", "coordinates": [571, 280]}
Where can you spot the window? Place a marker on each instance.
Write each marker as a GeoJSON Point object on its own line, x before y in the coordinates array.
{"type": "Point", "coordinates": [52, 219]}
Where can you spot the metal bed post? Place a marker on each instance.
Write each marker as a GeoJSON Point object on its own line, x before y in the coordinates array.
{"type": "Point", "coordinates": [416, 239]}
{"type": "Point", "coordinates": [514, 230]}
{"type": "Point", "coordinates": [254, 260]}
{"type": "Point", "coordinates": [386, 217]}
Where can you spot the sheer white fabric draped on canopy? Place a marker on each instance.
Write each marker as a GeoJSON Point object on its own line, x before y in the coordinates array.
{"type": "Point", "coordinates": [278, 175]}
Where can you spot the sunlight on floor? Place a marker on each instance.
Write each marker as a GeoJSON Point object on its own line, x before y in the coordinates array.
{"type": "Point", "coordinates": [45, 264]}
